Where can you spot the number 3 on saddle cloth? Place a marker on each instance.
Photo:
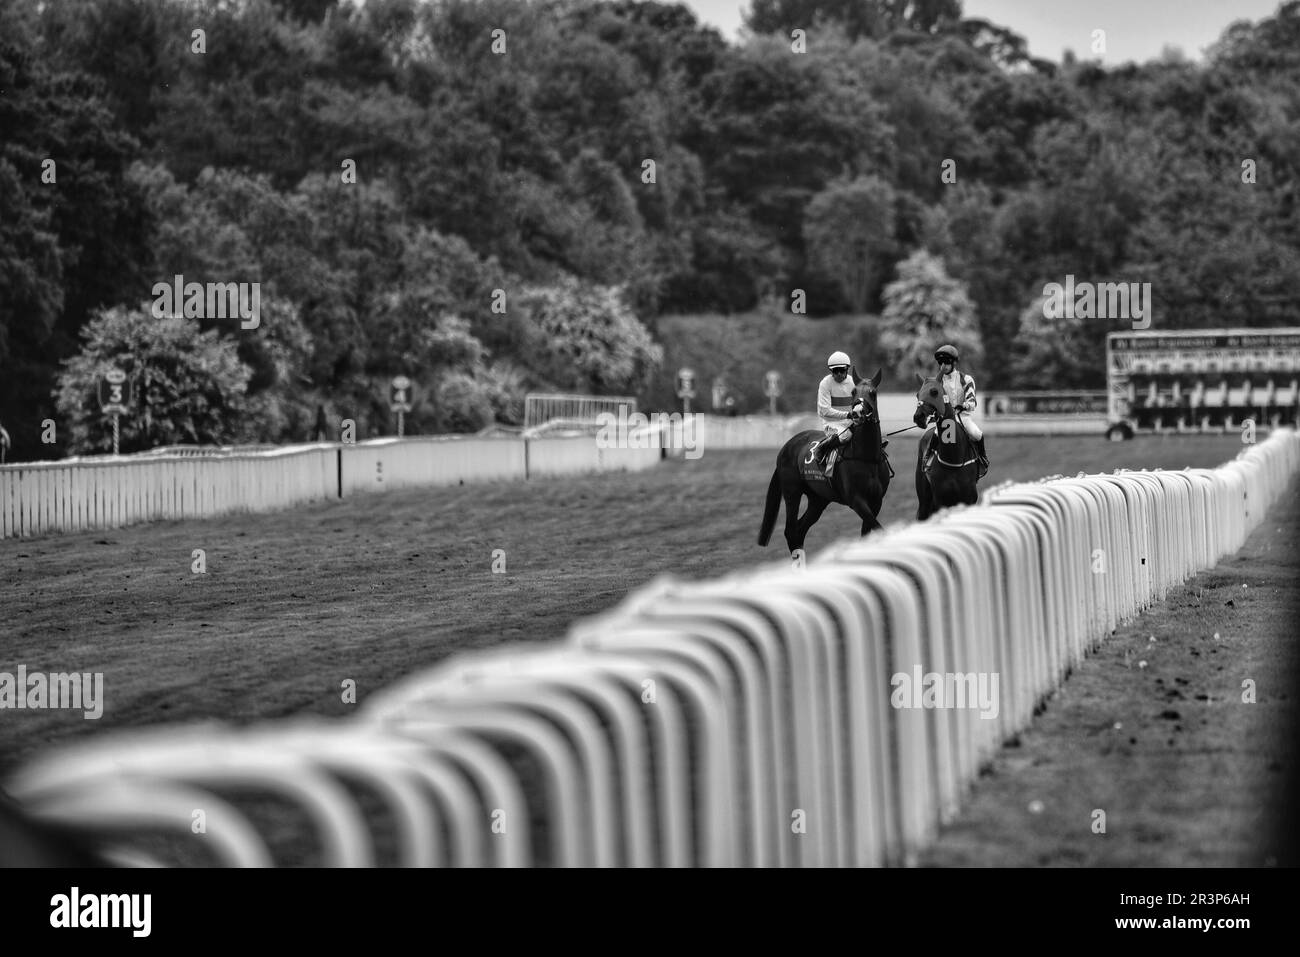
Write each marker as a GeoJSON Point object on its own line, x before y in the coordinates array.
{"type": "Point", "coordinates": [813, 470]}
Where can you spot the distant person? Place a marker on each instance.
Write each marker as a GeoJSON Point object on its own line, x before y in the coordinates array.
{"type": "Point", "coordinates": [4, 443]}
{"type": "Point", "coordinates": [321, 431]}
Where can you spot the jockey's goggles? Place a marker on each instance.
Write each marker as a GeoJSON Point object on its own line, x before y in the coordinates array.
{"type": "Point", "coordinates": [839, 370]}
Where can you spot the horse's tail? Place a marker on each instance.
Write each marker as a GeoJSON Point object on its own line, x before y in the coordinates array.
{"type": "Point", "coordinates": [770, 510]}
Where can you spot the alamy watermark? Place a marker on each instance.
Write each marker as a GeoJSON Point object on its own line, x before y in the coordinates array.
{"type": "Point", "coordinates": [83, 691]}
{"type": "Point", "coordinates": [975, 689]}
{"type": "Point", "coordinates": [214, 300]}
{"type": "Point", "coordinates": [75, 910]}
{"type": "Point", "coordinates": [1106, 300]}
{"type": "Point", "coordinates": [659, 430]}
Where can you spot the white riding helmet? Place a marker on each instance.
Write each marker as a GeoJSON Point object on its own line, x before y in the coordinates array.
{"type": "Point", "coordinates": [838, 359]}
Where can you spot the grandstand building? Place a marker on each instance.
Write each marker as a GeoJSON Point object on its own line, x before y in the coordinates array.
{"type": "Point", "coordinates": [1204, 380]}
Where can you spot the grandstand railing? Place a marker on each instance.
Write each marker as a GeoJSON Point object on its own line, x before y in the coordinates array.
{"type": "Point", "coordinates": [697, 723]}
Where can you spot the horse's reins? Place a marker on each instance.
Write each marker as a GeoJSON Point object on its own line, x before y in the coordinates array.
{"type": "Point", "coordinates": [867, 415]}
{"type": "Point", "coordinates": [936, 454]}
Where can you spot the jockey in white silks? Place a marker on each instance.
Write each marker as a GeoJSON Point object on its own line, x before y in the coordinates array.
{"type": "Point", "coordinates": [960, 389]}
{"type": "Point", "coordinates": [836, 394]}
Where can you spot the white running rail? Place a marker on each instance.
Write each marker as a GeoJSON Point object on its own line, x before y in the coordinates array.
{"type": "Point", "coordinates": [698, 722]}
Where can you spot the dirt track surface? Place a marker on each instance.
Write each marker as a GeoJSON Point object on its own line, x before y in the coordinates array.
{"type": "Point", "coordinates": [1152, 730]}
{"type": "Point", "coordinates": [375, 587]}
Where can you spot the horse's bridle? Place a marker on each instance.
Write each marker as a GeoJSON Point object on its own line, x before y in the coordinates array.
{"type": "Point", "coordinates": [868, 413]}
{"type": "Point", "coordinates": [939, 417]}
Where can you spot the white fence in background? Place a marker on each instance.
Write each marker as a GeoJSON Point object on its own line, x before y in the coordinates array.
{"type": "Point", "coordinates": [100, 492]}
{"type": "Point", "coordinates": [747, 431]}
{"type": "Point", "coordinates": [741, 721]}
{"type": "Point", "coordinates": [107, 491]}
{"type": "Point", "coordinates": [541, 409]}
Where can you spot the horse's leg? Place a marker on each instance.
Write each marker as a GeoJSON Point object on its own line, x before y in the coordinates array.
{"type": "Point", "coordinates": [861, 489]}
{"type": "Point", "coordinates": [923, 490]}
{"type": "Point", "coordinates": [793, 523]}
{"type": "Point", "coordinates": [816, 505]}
{"type": "Point", "coordinates": [863, 507]}
{"type": "Point", "coordinates": [924, 495]}
{"type": "Point", "coordinates": [948, 492]}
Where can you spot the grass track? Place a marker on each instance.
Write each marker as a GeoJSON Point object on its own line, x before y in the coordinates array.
{"type": "Point", "coordinates": [375, 587]}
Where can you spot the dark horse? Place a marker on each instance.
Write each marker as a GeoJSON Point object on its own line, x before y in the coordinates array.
{"type": "Point", "coordinates": [946, 474]}
{"type": "Point", "coordinates": [860, 479]}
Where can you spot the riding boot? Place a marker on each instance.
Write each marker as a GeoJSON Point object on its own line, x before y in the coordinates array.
{"type": "Point", "coordinates": [983, 457]}
{"type": "Point", "coordinates": [823, 452]}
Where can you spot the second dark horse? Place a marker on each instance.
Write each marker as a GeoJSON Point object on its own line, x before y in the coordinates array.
{"type": "Point", "coordinates": [947, 470]}
{"type": "Point", "coordinates": [860, 479]}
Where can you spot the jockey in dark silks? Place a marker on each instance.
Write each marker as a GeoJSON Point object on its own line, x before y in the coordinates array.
{"type": "Point", "coordinates": [960, 389]}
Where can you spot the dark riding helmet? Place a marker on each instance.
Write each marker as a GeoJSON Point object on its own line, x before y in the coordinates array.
{"type": "Point", "coordinates": [948, 352]}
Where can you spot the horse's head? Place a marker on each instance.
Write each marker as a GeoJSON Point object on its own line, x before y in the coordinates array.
{"type": "Point", "coordinates": [932, 394]}
{"type": "Point", "coordinates": [866, 407]}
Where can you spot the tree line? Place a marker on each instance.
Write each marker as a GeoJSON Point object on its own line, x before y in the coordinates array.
{"type": "Point", "coordinates": [498, 196]}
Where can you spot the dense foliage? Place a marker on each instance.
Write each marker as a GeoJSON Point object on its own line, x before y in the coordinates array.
{"type": "Point", "coordinates": [494, 196]}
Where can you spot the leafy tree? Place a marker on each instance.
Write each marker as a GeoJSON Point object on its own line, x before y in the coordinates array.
{"type": "Point", "coordinates": [31, 268]}
{"type": "Point", "coordinates": [188, 385]}
{"type": "Point", "coordinates": [133, 47]}
{"type": "Point", "coordinates": [774, 131]}
{"type": "Point", "coordinates": [462, 391]}
{"type": "Point", "coordinates": [509, 385]}
{"type": "Point", "coordinates": [1051, 353]}
{"type": "Point", "coordinates": [848, 229]}
{"type": "Point", "coordinates": [964, 233]}
{"type": "Point", "coordinates": [1270, 46]}
{"type": "Point", "coordinates": [280, 405]}
{"type": "Point", "coordinates": [608, 242]}
{"type": "Point", "coordinates": [463, 403]}
{"type": "Point", "coordinates": [590, 340]}
{"type": "Point", "coordinates": [478, 172]}
{"type": "Point", "coordinates": [859, 18]}
{"type": "Point", "coordinates": [1005, 110]}
{"type": "Point", "coordinates": [71, 233]}
{"type": "Point", "coordinates": [731, 262]}
{"type": "Point", "coordinates": [449, 345]}
{"type": "Point", "coordinates": [307, 10]}
{"type": "Point", "coordinates": [924, 308]}
{"type": "Point", "coordinates": [1004, 48]}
